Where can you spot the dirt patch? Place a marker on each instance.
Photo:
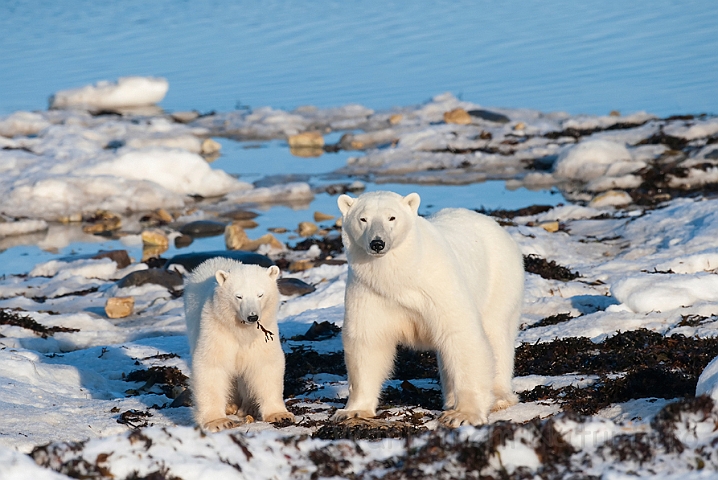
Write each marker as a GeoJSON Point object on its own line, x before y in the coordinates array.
{"type": "Point", "coordinates": [170, 380]}
{"type": "Point", "coordinates": [550, 320]}
{"type": "Point", "coordinates": [409, 395]}
{"type": "Point", "coordinates": [548, 269]}
{"type": "Point", "coordinates": [302, 361]}
{"type": "Point", "coordinates": [366, 429]}
{"type": "Point", "coordinates": [8, 317]}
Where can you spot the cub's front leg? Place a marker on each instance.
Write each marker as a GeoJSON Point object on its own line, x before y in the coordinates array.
{"type": "Point", "coordinates": [266, 384]}
{"type": "Point", "coordinates": [210, 389]}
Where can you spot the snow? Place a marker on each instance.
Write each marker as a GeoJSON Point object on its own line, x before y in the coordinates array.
{"type": "Point", "coordinates": [126, 92]}
{"type": "Point", "coordinates": [638, 267]}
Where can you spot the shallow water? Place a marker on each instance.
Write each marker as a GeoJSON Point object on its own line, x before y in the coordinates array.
{"type": "Point", "coordinates": [659, 56]}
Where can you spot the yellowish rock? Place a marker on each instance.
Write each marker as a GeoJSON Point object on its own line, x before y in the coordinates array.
{"type": "Point", "coordinates": [339, 222]}
{"type": "Point", "coordinates": [72, 218]}
{"type": "Point", "coordinates": [247, 224]}
{"type": "Point", "coordinates": [103, 221]}
{"type": "Point", "coordinates": [306, 152]}
{"type": "Point", "coordinates": [550, 227]}
{"type": "Point", "coordinates": [300, 265]}
{"type": "Point", "coordinates": [119, 307]}
{"type": "Point", "coordinates": [163, 215]}
{"type": "Point", "coordinates": [396, 119]}
{"type": "Point", "coordinates": [155, 238]}
{"type": "Point", "coordinates": [520, 126]}
{"type": "Point", "coordinates": [307, 229]}
{"type": "Point", "coordinates": [152, 251]}
{"type": "Point", "coordinates": [235, 238]}
{"type": "Point", "coordinates": [210, 146]}
{"type": "Point", "coordinates": [458, 116]}
{"type": "Point", "coordinates": [614, 113]}
{"type": "Point", "coordinates": [306, 140]}
{"type": "Point", "coordinates": [611, 198]}
{"type": "Point", "coordinates": [278, 230]}
{"type": "Point", "coordinates": [322, 217]}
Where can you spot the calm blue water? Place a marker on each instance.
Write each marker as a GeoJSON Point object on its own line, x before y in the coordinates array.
{"type": "Point", "coordinates": [582, 57]}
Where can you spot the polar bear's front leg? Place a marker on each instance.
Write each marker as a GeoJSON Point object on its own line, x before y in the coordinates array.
{"type": "Point", "coordinates": [265, 383]}
{"type": "Point", "coordinates": [210, 388]}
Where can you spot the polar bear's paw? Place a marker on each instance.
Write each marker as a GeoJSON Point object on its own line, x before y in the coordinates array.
{"type": "Point", "coordinates": [219, 424]}
{"type": "Point", "coordinates": [279, 417]}
{"type": "Point", "coordinates": [506, 402]}
{"type": "Point", "coordinates": [342, 414]}
{"type": "Point", "coordinates": [456, 418]}
{"type": "Point", "coordinates": [231, 409]}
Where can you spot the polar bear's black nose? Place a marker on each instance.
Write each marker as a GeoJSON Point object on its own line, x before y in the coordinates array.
{"type": "Point", "coordinates": [377, 245]}
{"type": "Point", "coordinates": [253, 318]}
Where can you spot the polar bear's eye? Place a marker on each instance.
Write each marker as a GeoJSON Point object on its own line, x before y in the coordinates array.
{"type": "Point", "coordinates": [260, 295]}
{"type": "Point", "coordinates": [391, 219]}
{"type": "Point", "coordinates": [239, 297]}
{"type": "Point", "coordinates": [363, 219]}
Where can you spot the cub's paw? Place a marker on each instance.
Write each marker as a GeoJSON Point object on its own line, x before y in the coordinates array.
{"type": "Point", "coordinates": [279, 417]}
{"type": "Point", "coordinates": [342, 414]}
{"type": "Point", "coordinates": [505, 402]}
{"type": "Point", "coordinates": [231, 409]}
{"type": "Point", "coordinates": [219, 424]}
{"type": "Point", "coordinates": [456, 418]}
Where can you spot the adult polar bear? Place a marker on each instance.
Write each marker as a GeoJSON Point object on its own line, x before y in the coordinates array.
{"type": "Point", "coordinates": [452, 283]}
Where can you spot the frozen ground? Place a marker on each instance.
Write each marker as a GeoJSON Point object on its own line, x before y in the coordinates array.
{"type": "Point", "coordinates": [620, 317]}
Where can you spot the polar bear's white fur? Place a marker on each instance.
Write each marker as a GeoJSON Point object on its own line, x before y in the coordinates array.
{"type": "Point", "coordinates": [233, 362]}
{"type": "Point", "coordinates": [452, 283]}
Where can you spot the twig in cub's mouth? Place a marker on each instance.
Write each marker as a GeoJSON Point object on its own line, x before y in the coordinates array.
{"type": "Point", "coordinates": [267, 334]}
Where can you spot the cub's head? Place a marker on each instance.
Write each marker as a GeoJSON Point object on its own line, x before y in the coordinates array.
{"type": "Point", "coordinates": [376, 222]}
{"type": "Point", "coordinates": [248, 291]}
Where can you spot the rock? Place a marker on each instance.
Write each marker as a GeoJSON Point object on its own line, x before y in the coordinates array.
{"type": "Point", "coordinates": [458, 116]}
{"type": "Point", "coordinates": [203, 228]}
{"type": "Point", "coordinates": [235, 237]}
{"type": "Point", "coordinates": [183, 241]}
{"type": "Point", "coordinates": [278, 230]}
{"type": "Point", "coordinates": [301, 265]}
{"type": "Point", "coordinates": [190, 260]}
{"type": "Point", "coordinates": [337, 188]}
{"type": "Point", "coordinates": [306, 152]}
{"type": "Point", "coordinates": [520, 126]}
{"type": "Point", "coordinates": [307, 229]}
{"type": "Point", "coordinates": [339, 222]}
{"type": "Point", "coordinates": [247, 224]}
{"type": "Point", "coordinates": [72, 218]}
{"type": "Point", "coordinates": [614, 113]}
{"type": "Point", "coordinates": [158, 276]}
{"type": "Point", "coordinates": [185, 117]}
{"type": "Point", "coordinates": [611, 198]}
{"type": "Point", "coordinates": [321, 217]}
{"type": "Point", "coordinates": [184, 399]}
{"type": "Point", "coordinates": [294, 286]}
{"type": "Point", "coordinates": [489, 116]}
{"type": "Point", "coordinates": [120, 257]}
{"type": "Point", "coordinates": [152, 251]}
{"type": "Point", "coordinates": [306, 140]}
{"type": "Point", "coordinates": [241, 215]}
{"type": "Point", "coordinates": [119, 307]}
{"type": "Point", "coordinates": [396, 119]}
{"type": "Point", "coordinates": [155, 238]}
{"type": "Point", "coordinates": [162, 216]}
{"type": "Point", "coordinates": [210, 146]}
{"type": "Point", "coordinates": [103, 221]}
{"type": "Point", "coordinates": [320, 331]}
{"type": "Point", "coordinates": [550, 227]}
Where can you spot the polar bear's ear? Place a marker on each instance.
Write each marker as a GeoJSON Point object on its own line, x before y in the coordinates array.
{"type": "Point", "coordinates": [273, 272]}
{"type": "Point", "coordinates": [345, 202]}
{"type": "Point", "coordinates": [412, 201]}
{"type": "Point", "coordinates": [221, 276]}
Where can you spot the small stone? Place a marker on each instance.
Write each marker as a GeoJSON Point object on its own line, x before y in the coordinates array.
{"type": "Point", "coordinates": [520, 126]}
{"type": "Point", "coordinates": [339, 222]}
{"type": "Point", "coordinates": [307, 229]}
{"type": "Point", "coordinates": [396, 119]}
{"type": "Point", "coordinates": [489, 116]}
{"type": "Point", "coordinates": [158, 276]}
{"type": "Point", "coordinates": [550, 227]}
{"type": "Point", "coordinates": [163, 215]}
{"type": "Point", "coordinates": [119, 307]}
{"type": "Point", "coordinates": [306, 140]}
{"type": "Point", "coordinates": [120, 257]}
{"type": "Point", "coordinates": [152, 251]}
{"type": "Point", "coordinates": [203, 228]}
{"type": "Point", "coordinates": [155, 238]}
{"type": "Point", "coordinates": [614, 113]}
{"type": "Point", "coordinates": [300, 265]}
{"type": "Point", "coordinates": [210, 146]}
{"type": "Point", "coordinates": [294, 286]}
{"type": "Point", "coordinates": [306, 152]}
{"type": "Point", "coordinates": [183, 241]}
{"type": "Point", "coordinates": [247, 224]}
{"type": "Point", "coordinates": [278, 230]}
{"type": "Point", "coordinates": [611, 198]}
{"type": "Point", "coordinates": [458, 116]}
{"type": "Point", "coordinates": [185, 117]}
{"type": "Point", "coordinates": [103, 221]}
{"type": "Point", "coordinates": [235, 238]}
{"type": "Point", "coordinates": [241, 215]}
{"type": "Point", "coordinates": [321, 217]}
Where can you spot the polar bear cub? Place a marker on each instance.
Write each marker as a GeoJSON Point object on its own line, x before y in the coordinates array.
{"type": "Point", "coordinates": [228, 308]}
{"type": "Point", "coordinates": [452, 282]}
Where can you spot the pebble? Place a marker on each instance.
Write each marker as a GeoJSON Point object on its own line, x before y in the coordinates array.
{"type": "Point", "coordinates": [240, 215]}
{"type": "Point", "coordinates": [102, 222]}
{"type": "Point", "coordinates": [489, 116]}
{"type": "Point", "coordinates": [278, 230]}
{"type": "Point", "coordinates": [182, 241]}
{"type": "Point", "coordinates": [550, 227]}
{"type": "Point", "coordinates": [307, 229]}
{"type": "Point", "coordinates": [306, 152]}
{"type": "Point", "coordinates": [457, 116]}
{"type": "Point", "coordinates": [119, 307]}
{"type": "Point", "coordinates": [203, 228]}
{"type": "Point", "coordinates": [120, 257]}
{"type": "Point", "coordinates": [294, 286]}
{"type": "Point", "coordinates": [210, 146]}
{"type": "Point", "coordinates": [396, 119]}
{"type": "Point", "coordinates": [306, 140]}
{"type": "Point", "coordinates": [185, 117]}
{"type": "Point", "coordinates": [321, 217]}
{"type": "Point", "coordinates": [155, 238]}
{"type": "Point", "coordinates": [235, 237]}
{"type": "Point", "coordinates": [301, 265]}
{"type": "Point", "coordinates": [190, 260]}
{"type": "Point", "coordinates": [611, 198]}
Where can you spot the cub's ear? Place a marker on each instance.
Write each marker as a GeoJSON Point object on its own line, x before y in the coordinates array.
{"type": "Point", "coordinates": [345, 202]}
{"type": "Point", "coordinates": [412, 201]}
{"type": "Point", "coordinates": [273, 272]}
{"type": "Point", "coordinates": [221, 276]}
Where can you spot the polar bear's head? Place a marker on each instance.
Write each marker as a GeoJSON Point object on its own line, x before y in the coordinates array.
{"type": "Point", "coordinates": [247, 290]}
{"type": "Point", "coordinates": [376, 222]}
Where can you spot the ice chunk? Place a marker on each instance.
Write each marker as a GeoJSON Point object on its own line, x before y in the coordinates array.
{"type": "Point", "coordinates": [661, 293]}
{"type": "Point", "coordinates": [127, 92]}
{"type": "Point", "coordinates": [592, 159]}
